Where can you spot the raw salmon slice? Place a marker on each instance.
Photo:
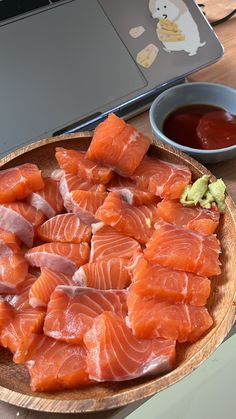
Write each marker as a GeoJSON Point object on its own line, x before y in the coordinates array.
{"type": "Point", "coordinates": [84, 204]}
{"type": "Point", "coordinates": [107, 242]}
{"type": "Point", "coordinates": [163, 179]}
{"type": "Point", "coordinates": [71, 310]}
{"type": "Point", "coordinates": [10, 240]}
{"type": "Point", "coordinates": [18, 182]}
{"type": "Point", "coordinates": [43, 287]}
{"type": "Point", "coordinates": [114, 354]}
{"type": "Point", "coordinates": [204, 221]}
{"type": "Point", "coordinates": [120, 182]}
{"type": "Point", "coordinates": [150, 319]}
{"type": "Point", "coordinates": [64, 228]}
{"type": "Point", "coordinates": [104, 274]}
{"type": "Point", "coordinates": [74, 162]}
{"type": "Point", "coordinates": [13, 271]}
{"type": "Point", "coordinates": [55, 365]}
{"type": "Point", "coordinates": [69, 182]}
{"type": "Point", "coordinates": [60, 257]}
{"type": "Point", "coordinates": [20, 300]}
{"type": "Point", "coordinates": [48, 200]}
{"type": "Point", "coordinates": [134, 196]}
{"type": "Point", "coordinates": [6, 314]}
{"type": "Point", "coordinates": [118, 145]}
{"type": "Point", "coordinates": [169, 285]}
{"type": "Point", "coordinates": [21, 219]}
{"type": "Point", "coordinates": [127, 219]}
{"type": "Point", "coordinates": [184, 250]}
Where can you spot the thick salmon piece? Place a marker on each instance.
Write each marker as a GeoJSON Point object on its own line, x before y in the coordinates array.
{"type": "Point", "coordinates": [104, 274]}
{"type": "Point", "coordinates": [134, 196]}
{"type": "Point", "coordinates": [115, 354]}
{"type": "Point", "coordinates": [69, 182]}
{"type": "Point", "coordinates": [13, 271]}
{"type": "Point", "coordinates": [21, 219]}
{"type": "Point", "coordinates": [107, 242]}
{"type": "Point", "coordinates": [84, 204]}
{"type": "Point", "coordinates": [169, 285]}
{"type": "Point", "coordinates": [127, 219]}
{"type": "Point", "coordinates": [60, 257]}
{"type": "Point", "coordinates": [6, 314]}
{"type": "Point", "coordinates": [202, 220]}
{"type": "Point", "coordinates": [76, 163]}
{"type": "Point", "coordinates": [54, 365]}
{"type": "Point", "coordinates": [20, 300]}
{"type": "Point", "coordinates": [18, 182]}
{"type": "Point", "coordinates": [71, 310]}
{"type": "Point", "coordinates": [120, 182]}
{"type": "Point", "coordinates": [48, 200]}
{"type": "Point", "coordinates": [65, 228]}
{"type": "Point", "coordinates": [151, 319]}
{"type": "Point", "coordinates": [166, 180]}
{"type": "Point", "coordinates": [182, 249]}
{"type": "Point", "coordinates": [40, 291]}
{"type": "Point", "coordinates": [118, 145]}
{"type": "Point", "coordinates": [10, 239]}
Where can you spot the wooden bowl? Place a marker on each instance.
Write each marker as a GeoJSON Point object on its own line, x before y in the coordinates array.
{"type": "Point", "coordinates": [14, 379]}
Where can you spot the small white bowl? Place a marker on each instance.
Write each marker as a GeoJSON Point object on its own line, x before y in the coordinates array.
{"type": "Point", "coordinates": [190, 94]}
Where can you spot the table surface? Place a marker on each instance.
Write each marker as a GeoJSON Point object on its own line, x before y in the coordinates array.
{"type": "Point", "coordinates": [222, 72]}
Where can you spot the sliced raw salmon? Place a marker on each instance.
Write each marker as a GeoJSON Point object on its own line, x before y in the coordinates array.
{"type": "Point", "coordinates": [118, 145]}
{"type": "Point", "coordinates": [18, 182]}
{"type": "Point", "coordinates": [134, 196]}
{"type": "Point", "coordinates": [10, 239]}
{"type": "Point", "coordinates": [74, 162]}
{"type": "Point", "coordinates": [6, 314]}
{"type": "Point", "coordinates": [184, 250]}
{"type": "Point", "coordinates": [55, 365]}
{"type": "Point", "coordinates": [84, 204]}
{"type": "Point", "coordinates": [60, 257]}
{"type": "Point", "coordinates": [150, 319]}
{"type": "Point", "coordinates": [169, 285]}
{"type": "Point", "coordinates": [107, 242]}
{"type": "Point", "coordinates": [71, 310]}
{"type": "Point", "coordinates": [202, 220]}
{"type": "Point", "coordinates": [163, 179]}
{"type": "Point", "coordinates": [20, 300]}
{"type": "Point", "coordinates": [48, 200]}
{"type": "Point", "coordinates": [104, 274]}
{"type": "Point", "coordinates": [120, 182]}
{"type": "Point", "coordinates": [21, 219]}
{"type": "Point", "coordinates": [64, 228]}
{"type": "Point", "coordinates": [114, 354]}
{"type": "Point", "coordinates": [127, 219]}
{"type": "Point", "coordinates": [41, 290]}
{"type": "Point", "coordinates": [69, 182]}
{"type": "Point", "coordinates": [13, 271]}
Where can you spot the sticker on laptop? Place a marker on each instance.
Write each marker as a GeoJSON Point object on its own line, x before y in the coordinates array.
{"type": "Point", "coordinates": [137, 31]}
{"type": "Point", "coordinates": [147, 55]}
{"type": "Point", "coordinates": [176, 28]}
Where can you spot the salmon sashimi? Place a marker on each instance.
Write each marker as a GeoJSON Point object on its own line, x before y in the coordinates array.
{"type": "Point", "coordinates": [76, 163]}
{"type": "Point", "coordinates": [107, 242]}
{"type": "Point", "coordinates": [151, 319]}
{"type": "Point", "coordinates": [115, 354]}
{"type": "Point", "coordinates": [59, 257]}
{"type": "Point", "coordinates": [6, 314]}
{"type": "Point", "coordinates": [18, 182]}
{"type": "Point", "coordinates": [84, 204]}
{"type": "Point", "coordinates": [169, 285]}
{"type": "Point", "coordinates": [41, 290]}
{"type": "Point", "coordinates": [71, 310]}
{"type": "Point", "coordinates": [48, 200]}
{"type": "Point", "coordinates": [127, 219]}
{"type": "Point", "coordinates": [21, 219]}
{"type": "Point", "coordinates": [104, 274]}
{"type": "Point", "coordinates": [202, 220]}
{"type": "Point", "coordinates": [54, 365]}
{"type": "Point", "coordinates": [163, 179]}
{"type": "Point", "coordinates": [64, 228]}
{"type": "Point", "coordinates": [134, 196]}
{"type": "Point", "coordinates": [120, 182]}
{"type": "Point", "coordinates": [20, 300]}
{"type": "Point", "coordinates": [118, 145]}
{"type": "Point", "coordinates": [69, 182]}
{"type": "Point", "coordinates": [184, 250]}
{"type": "Point", "coordinates": [10, 240]}
{"type": "Point", "coordinates": [13, 271]}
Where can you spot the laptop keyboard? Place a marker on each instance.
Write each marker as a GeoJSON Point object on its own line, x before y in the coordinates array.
{"type": "Point", "coordinates": [12, 8]}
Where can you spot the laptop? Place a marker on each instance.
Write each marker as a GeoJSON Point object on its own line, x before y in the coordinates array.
{"type": "Point", "coordinates": [65, 64]}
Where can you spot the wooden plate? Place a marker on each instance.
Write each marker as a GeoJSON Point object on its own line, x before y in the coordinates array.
{"type": "Point", "coordinates": [14, 379]}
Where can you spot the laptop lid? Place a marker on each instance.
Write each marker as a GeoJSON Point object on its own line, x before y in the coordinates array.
{"type": "Point", "coordinates": [69, 64]}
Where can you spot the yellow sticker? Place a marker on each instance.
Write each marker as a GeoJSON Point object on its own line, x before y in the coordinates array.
{"type": "Point", "coordinates": [147, 56]}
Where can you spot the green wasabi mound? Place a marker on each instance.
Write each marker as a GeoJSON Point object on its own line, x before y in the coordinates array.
{"type": "Point", "coordinates": [203, 193]}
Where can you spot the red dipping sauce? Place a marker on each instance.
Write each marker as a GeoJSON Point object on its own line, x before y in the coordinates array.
{"type": "Point", "coordinates": [201, 126]}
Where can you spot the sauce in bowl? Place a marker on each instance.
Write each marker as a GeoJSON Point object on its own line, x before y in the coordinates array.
{"type": "Point", "coordinates": [201, 126]}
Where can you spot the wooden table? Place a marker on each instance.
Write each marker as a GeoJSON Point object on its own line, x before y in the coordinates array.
{"type": "Point", "coordinates": [222, 72]}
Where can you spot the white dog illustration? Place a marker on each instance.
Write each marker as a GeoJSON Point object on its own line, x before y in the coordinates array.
{"type": "Point", "coordinates": [177, 12]}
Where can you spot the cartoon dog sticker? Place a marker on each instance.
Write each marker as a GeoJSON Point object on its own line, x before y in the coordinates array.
{"type": "Point", "coordinates": [176, 28]}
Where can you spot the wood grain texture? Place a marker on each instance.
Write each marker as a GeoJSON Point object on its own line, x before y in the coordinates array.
{"type": "Point", "coordinates": [14, 379]}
